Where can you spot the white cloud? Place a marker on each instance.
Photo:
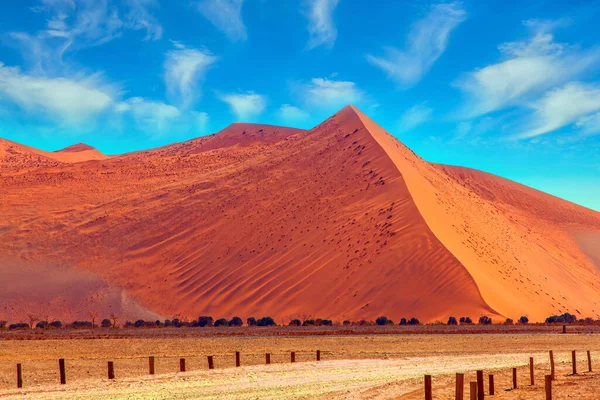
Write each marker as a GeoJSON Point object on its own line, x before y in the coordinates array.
{"type": "Point", "coordinates": [415, 116]}
{"type": "Point", "coordinates": [321, 28]}
{"type": "Point", "coordinates": [530, 67]}
{"type": "Point", "coordinates": [573, 103]}
{"type": "Point", "coordinates": [291, 113]}
{"type": "Point", "coordinates": [245, 106]}
{"type": "Point", "coordinates": [139, 18]}
{"type": "Point", "coordinates": [589, 124]}
{"type": "Point", "coordinates": [69, 101]}
{"type": "Point", "coordinates": [184, 71]}
{"type": "Point", "coordinates": [226, 16]}
{"type": "Point", "coordinates": [201, 120]}
{"type": "Point", "coordinates": [322, 92]}
{"type": "Point", "coordinates": [149, 115]}
{"type": "Point", "coordinates": [426, 42]}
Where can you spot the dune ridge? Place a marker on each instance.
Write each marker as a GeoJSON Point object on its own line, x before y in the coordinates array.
{"type": "Point", "coordinates": [341, 221]}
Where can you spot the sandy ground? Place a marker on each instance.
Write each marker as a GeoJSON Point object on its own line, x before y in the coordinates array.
{"type": "Point", "coordinates": [352, 367]}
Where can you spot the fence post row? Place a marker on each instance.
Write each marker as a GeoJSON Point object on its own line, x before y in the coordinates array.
{"type": "Point", "coordinates": [548, 387]}
{"type": "Point", "coordinates": [111, 370]}
{"type": "Point", "coordinates": [211, 364]}
{"type": "Point", "coordinates": [319, 355]}
{"type": "Point", "coordinates": [574, 358]}
{"type": "Point", "coordinates": [514, 378]}
{"type": "Point", "coordinates": [531, 371]}
{"type": "Point", "coordinates": [151, 365]}
{"type": "Point", "coordinates": [589, 361]}
{"type": "Point", "coordinates": [473, 391]}
{"type": "Point", "coordinates": [237, 359]}
{"type": "Point", "coordinates": [552, 365]}
{"type": "Point", "coordinates": [182, 365]}
{"type": "Point", "coordinates": [268, 358]}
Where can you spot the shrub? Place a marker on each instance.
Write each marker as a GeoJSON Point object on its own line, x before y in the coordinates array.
{"type": "Point", "coordinates": [106, 323]}
{"type": "Point", "coordinates": [81, 325]}
{"type": "Point", "coordinates": [176, 322]}
{"type": "Point", "coordinates": [42, 325]}
{"type": "Point", "coordinates": [140, 323]}
{"type": "Point", "coordinates": [266, 321]}
{"type": "Point", "coordinates": [295, 322]}
{"type": "Point", "coordinates": [413, 321]}
{"type": "Point", "coordinates": [128, 324]}
{"type": "Point", "coordinates": [309, 322]}
{"type": "Point", "coordinates": [523, 320]}
{"type": "Point", "coordinates": [452, 321]}
{"type": "Point", "coordinates": [3, 324]}
{"type": "Point", "coordinates": [508, 321]}
{"type": "Point", "coordinates": [564, 318]}
{"type": "Point", "coordinates": [205, 321]}
{"type": "Point", "coordinates": [326, 322]}
{"type": "Point", "coordinates": [56, 324]}
{"type": "Point", "coordinates": [347, 322]}
{"type": "Point", "coordinates": [222, 322]}
{"type": "Point", "coordinates": [402, 321]}
{"type": "Point", "coordinates": [465, 321]}
{"type": "Point", "coordinates": [168, 323]}
{"type": "Point", "coordinates": [236, 321]}
{"type": "Point", "coordinates": [18, 326]}
{"type": "Point", "coordinates": [251, 321]}
{"type": "Point", "coordinates": [383, 321]}
{"type": "Point", "coordinates": [485, 320]}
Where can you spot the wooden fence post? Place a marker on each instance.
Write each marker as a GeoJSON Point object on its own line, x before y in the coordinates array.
{"type": "Point", "coordinates": [531, 372]}
{"type": "Point", "coordinates": [460, 386]}
{"type": "Point", "coordinates": [268, 358]}
{"type": "Point", "coordinates": [19, 376]}
{"type": "Point", "coordinates": [552, 365]}
{"type": "Point", "coordinates": [182, 365]}
{"type": "Point", "coordinates": [548, 387]}
{"type": "Point", "coordinates": [151, 365]}
{"type": "Point", "coordinates": [293, 356]}
{"type": "Point", "coordinates": [480, 392]}
{"type": "Point", "coordinates": [63, 374]}
{"type": "Point", "coordinates": [111, 370]}
{"type": "Point", "coordinates": [564, 329]}
{"type": "Point", "coordinates": [428, 392]}
{"type": "Point", "coordinates": [574, 359]}
{"type": "Point", "coordinates": [473, 391]}
{"type": "Point", "coordinates": [492, 391]}
{"type": "Point", "coordinates": [514, 378]}
{"type": "Point", "coordinates": [211, 364]}
{"type": "Point", "coordinates": [589, 361]}
{"type": "Point", "coordinates": [237, 359]}
{"type": "Point", "coordinates": [319, 355]}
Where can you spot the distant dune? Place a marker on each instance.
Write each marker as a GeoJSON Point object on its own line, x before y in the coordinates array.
{"type": "Point", "coordinates": [341, 221]}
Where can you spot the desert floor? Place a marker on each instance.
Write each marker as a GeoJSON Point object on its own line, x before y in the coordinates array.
{"type": "Point", "coordinates": [352, 366]}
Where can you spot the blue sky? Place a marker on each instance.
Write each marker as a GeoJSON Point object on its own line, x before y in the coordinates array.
{"type": "Point", "coordinates": [511, 88]}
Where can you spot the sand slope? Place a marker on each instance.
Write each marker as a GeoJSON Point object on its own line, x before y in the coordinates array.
{"type": "Point", "coordinates": [341, 221]}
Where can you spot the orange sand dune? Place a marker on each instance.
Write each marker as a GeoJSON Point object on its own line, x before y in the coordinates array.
{"type": "Point", "coordinates": [341, 221]}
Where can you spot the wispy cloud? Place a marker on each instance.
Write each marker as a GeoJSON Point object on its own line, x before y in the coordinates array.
{"type": "Point", "coordinates": [321, 28]}
{"type": "Point", "coordinates": [226, 16]}
{"type": "Point", "coordinates": [574, 103]}
{"type": "Point", "coordinates": [184, 72]}
{"type": "Point", "coordinates": [415, 116]}
{"type": "Point", "coordinates": [245, 106]}
{"type": "Point", "coordinates": [426, 42]}
{"type": "Point", "coordinates": [529, 68]}
{"type": "Point", "coordinates": [67, 101]}
{"type": "Point", "coordinates": [76, 24]}
{"type": "Point", "coordinates": [291, 113]}
{"type": "Point", "coordinates": [330, 94]}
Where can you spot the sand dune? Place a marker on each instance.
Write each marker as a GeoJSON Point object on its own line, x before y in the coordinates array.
{"type": "Point", "coordinates": [341, 221]}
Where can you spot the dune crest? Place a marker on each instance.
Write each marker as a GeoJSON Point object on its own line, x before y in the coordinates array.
{"type": "Point", "coordinates": [341, 221]}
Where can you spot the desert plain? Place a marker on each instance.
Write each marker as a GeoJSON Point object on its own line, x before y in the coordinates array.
{"type": "Point", "coordinates": [361, 363]}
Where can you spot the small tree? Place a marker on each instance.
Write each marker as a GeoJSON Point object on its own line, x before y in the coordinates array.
{"type": "Point", "coordinates": [236, 321]}
{"type": "Point", "coordinates": [523, 320]}
{"type": "Point", "coordinates": [485, 320]}
{"type": "Point", "coordinates": [114, 319]}
{"type": "Point", "coordinates": [56, 324]}
{"type": "Point", "coordinates": [106, 323]}
{"type": "Point", "coordinates": [402, 321]}
{"type": "Point", "coordinates": [221, 322]}
{"type": "Point", "coordinates": [265, 321]}
{"type": "Point", "coordinates": [347, 322]}
{"type": "Point", "coordinates": [452, 321]}
{"type": "Point", "coordinates": [32, 320]}
{"type": "Point", "coordinates": [3, 324]}
{"type": "Point", "coordinates": [140, 323]}
{"type": "Point", "coordinates": [413, 321]}
{"type": "Point", "coordinates": [42, 325]}
{"type": "Point", "coordinates": [383, 321]}
{"type": "Point", "coordinates": [251, 321]}
{"type": "Point", "coordinates": [508, 321]}
{"type": "Point", "coordinates": [295, 322]}
{"type": "Point", "coordinates": [465, 321]}
{"type": "Point", "coordinates": [205, 321]}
